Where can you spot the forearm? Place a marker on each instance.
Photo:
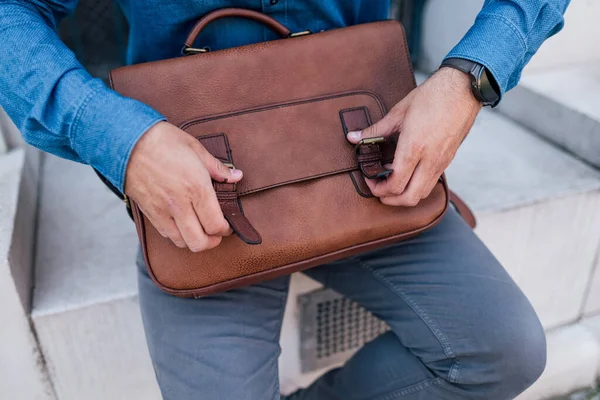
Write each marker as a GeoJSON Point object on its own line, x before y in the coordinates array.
{"type": "Point", "coordinates": [507, 33]}
{"type": "Point", "coordinates": [56, 104]}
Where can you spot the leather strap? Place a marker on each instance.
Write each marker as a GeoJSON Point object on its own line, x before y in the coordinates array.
{"type": "Point", "coordinates": [271, 23]}
{"type": "Point", "coordinates": [370, 157]}
{"type": "Point", "coordinates": [369, 154]}
{"type": "Point", "coordinates": [227, 194]}
{"type": "Point", "coordinates": [232, 211]}
{"type": "Point", "coordinates": [463, 210]}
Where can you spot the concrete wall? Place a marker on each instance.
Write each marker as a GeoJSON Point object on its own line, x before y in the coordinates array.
{"type": "Point", "coordinates": [447, 21]}
{"type": "Point", "coordinates": [22, 367]}
{"type": "Point", "coordinates": [22, 370]}
{"type": "Point", "coordinates": [10, 137]}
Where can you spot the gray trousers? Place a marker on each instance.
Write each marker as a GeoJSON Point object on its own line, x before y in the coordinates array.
{"type": "Point", "coordinates": [460, 329]}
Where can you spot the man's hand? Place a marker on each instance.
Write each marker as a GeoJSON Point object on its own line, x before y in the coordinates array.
{"type": "Point", "coordinates": [169, 177]}
{"type": "Point", "coordinates": [433, 120]}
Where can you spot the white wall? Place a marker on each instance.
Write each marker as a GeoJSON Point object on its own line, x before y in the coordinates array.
{"type": "Point", "coordinates": [10, 137]}
{"type": "Point", "coordinates": [445, 22]}
{"type": "Point", "coordinates": [22, 370]}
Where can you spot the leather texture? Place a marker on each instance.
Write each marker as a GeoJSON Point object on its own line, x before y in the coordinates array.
{"type": "Point", "coordinates": [279, 111]}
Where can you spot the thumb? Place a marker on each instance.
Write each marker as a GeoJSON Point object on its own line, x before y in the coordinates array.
{"type": "Point", "coordinates": [384, 127]}
{"type": "Point", "coordinates": [219, 172]}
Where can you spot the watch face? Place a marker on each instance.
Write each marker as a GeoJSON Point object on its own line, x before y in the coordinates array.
{"type": "Point", "coordinates": [476, 81]}
{"type": "Point", "coordinates": [479, 74]}
{"type": "Point", "coordinates": [488, 93]}
{"type": "Point", "coordinates": [492, 82]}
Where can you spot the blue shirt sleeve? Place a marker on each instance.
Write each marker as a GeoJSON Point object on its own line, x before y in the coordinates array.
{"type": "Point", "coordinates": [507, 33]}
{"type": "Point", "coordinates": [56, 104]}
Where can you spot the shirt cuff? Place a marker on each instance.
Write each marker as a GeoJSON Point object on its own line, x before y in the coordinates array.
{"type": "Point", "coordinates": [496, 43]}
{"type": "Point", "coordinates": [106, 129]}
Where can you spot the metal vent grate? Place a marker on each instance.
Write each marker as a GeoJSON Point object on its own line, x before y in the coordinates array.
{"type": "Point", "coordinates": [333, 328]}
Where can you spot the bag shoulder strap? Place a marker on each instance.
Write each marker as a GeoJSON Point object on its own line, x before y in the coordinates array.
{"type": "Point", "coordinates": [463, 210]}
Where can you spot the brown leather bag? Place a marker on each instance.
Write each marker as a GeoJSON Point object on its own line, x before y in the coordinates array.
{"type": "Point", "coordinates": [280, 111]}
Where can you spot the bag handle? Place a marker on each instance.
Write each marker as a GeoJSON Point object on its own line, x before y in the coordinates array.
{"type": "Point", "coordinates": [271, 23]}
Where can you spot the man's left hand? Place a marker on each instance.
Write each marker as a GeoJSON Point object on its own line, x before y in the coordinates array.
{"type": "Point", "coordinates": [432, 120]}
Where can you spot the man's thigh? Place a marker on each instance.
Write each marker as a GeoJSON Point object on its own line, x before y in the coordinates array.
{"type": "Point", "coordinates": [450, 303]}
{"type": "Point", "coordinates": [224, 346]}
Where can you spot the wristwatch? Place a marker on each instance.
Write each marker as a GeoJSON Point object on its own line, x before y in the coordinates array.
{"type": "Point", "coordinates": [483, 85]}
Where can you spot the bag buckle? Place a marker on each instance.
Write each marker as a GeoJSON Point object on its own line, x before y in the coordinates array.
{"type": "Point", "coordinates": [368, 154]}
{"type": "Point", "coordinates": [369, 142]}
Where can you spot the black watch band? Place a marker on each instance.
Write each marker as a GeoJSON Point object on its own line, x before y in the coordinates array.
{"type": "Point", "coordinates": [483, 85]}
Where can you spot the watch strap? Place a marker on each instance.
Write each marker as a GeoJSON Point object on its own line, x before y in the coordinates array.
{"type": "Point", "coordinates": [459, 63]}
{"type": "Point", "coordinates": [483, 85]}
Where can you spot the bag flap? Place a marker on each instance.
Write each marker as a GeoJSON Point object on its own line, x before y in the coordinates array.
{"type": "Point", "coordinates": [371, 57]}
{"type": "Point", "coordinates": [292, 142]}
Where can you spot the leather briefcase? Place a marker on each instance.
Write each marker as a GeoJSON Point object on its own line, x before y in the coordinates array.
{"type": "Point", "coordinates": [280, 111]}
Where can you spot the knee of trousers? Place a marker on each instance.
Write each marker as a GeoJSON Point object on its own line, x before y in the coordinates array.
{"type": "Point", "coordinates": [507, 360]}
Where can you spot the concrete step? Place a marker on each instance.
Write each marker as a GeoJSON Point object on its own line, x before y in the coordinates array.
{"type": "Point", "coordinates": [85, 299]}
{"type": "Point", "coordinates": [22, 372]}
{"type": "Point", "coordinates": [573, 362]}
{"type": "Point", "coordinates": [444, 24]}
{"type": "Point", "coordinates": [538, 209]}
{"type": "Point", "coordinates": [562, 105]}
{"type": "Point", "coordinates": [592, 305]}
{"type": "Point", "coordinates": [10, 137]}
{"type": "Point", "coordinates": [3, 146]}
{"type": "Point", "coordinates": [87, 243]}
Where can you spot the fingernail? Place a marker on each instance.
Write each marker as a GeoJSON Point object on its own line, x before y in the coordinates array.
{"type": "Point", "coordinates": [236, 173]}
{"type": "Point", "coordinates": [354, 135]}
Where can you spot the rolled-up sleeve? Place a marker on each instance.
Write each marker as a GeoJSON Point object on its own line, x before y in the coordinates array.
{"type": "Point", "coordinates": [507, 33]}
{"type": "Point", "coordinates": [56, 104]}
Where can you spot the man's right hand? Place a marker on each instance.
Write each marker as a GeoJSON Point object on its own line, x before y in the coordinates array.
{"type": "Point", "coordinates": [169, 177]}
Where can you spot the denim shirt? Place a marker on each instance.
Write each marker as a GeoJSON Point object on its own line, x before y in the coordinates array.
{"type": "Point", "coordinates": [61, 109]}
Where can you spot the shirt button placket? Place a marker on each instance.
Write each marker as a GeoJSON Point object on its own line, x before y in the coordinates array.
{"type": "Point", "coordinates": [269, 4]}
{"type": "Point", "coordinates": [270, 7]}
